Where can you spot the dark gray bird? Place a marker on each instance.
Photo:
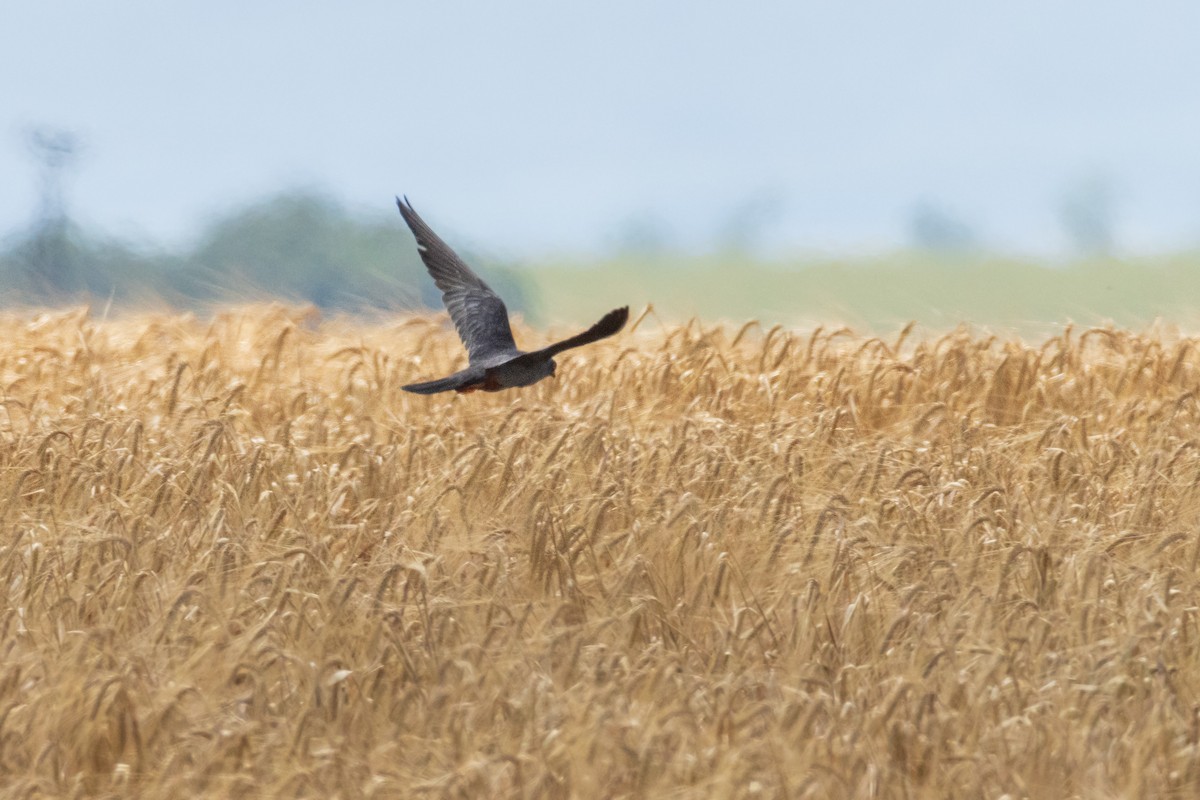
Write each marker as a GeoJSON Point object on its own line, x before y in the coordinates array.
{"type": "Point", "coordinates": [493, 360]}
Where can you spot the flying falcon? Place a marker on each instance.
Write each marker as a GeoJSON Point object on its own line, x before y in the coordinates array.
{"type": "Point", "coordinates": [493, 360]}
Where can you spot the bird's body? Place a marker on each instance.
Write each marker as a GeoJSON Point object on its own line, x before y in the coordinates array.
{"type": "Point", "coordinates": [479, 315]}
{"type": "Point", "coordinates": [506, 372]}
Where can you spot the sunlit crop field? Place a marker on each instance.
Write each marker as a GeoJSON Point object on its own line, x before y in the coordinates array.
{"type": "Point", "coordinates": [880, 294]}
{"type": "Point", "coordinates": [238, 561]}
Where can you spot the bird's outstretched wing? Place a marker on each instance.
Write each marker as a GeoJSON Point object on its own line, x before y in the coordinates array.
{"type": "Point", "coordinates": [478, 312]}
{"type": "Point", "coordinates": [609, 324]}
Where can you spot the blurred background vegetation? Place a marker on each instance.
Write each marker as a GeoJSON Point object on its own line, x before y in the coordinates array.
{"type": "Point", "coordinates": [304, 246]}
{"type": "Point", "coordinates": [298, 246]}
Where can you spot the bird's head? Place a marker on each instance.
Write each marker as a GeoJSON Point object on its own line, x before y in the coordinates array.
{"type": "Point", "coordinates": [553, 368]}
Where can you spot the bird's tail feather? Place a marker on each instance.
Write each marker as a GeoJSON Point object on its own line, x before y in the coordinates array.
{"type": "Point", "coordinates": [433, 387]}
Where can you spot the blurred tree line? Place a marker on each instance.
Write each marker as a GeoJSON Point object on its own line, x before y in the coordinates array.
{"type": "Point", "coordinates": [300, 247]}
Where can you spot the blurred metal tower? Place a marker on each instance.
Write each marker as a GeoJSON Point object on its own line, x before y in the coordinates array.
{"type": "Point", "coordinates": [50, 254]}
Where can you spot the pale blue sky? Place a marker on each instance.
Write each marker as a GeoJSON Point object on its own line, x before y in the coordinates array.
{"type": "Point", "coordinates": [533, 126]}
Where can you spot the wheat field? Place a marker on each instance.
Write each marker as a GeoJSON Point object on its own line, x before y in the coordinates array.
{"type": "Point", "coordinates": [706, 561]}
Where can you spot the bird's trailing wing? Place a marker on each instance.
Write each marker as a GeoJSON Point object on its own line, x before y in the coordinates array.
{"type": "Point", "coordinates": [609, 324]}
{"type": "Point", "coordinates": [478, 313]}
